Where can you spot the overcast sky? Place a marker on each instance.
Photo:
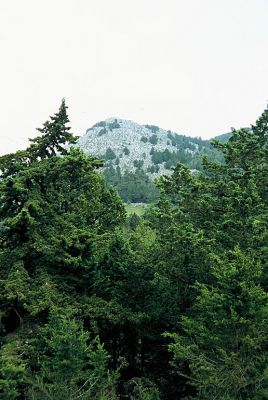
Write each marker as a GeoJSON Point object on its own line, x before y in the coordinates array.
{"type": "Point", "coordinates": [196, 67]}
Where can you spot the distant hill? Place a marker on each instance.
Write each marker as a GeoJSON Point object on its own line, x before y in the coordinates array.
{"type": "Point", "coordinates": [136, 154]}
{"type": "Point", "coordinates": [224, 137]}
{"type": "Point", "coordinates": [149, 148]}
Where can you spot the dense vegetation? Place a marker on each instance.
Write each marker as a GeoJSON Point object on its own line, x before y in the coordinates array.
{"type": "Point", "coordinates": [172, 305]}
{"type": "Point", "coordinates": [133, 187]}
{"type": "Point", "coordinates": [136, 186]}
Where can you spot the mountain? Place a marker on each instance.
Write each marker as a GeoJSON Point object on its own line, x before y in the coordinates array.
{"type": "Point", "coordinates": [129, 146]}
{"type": "Point", "coordinates": [136, 154]}
{"type": "Point", "coordinates": [224, 137]}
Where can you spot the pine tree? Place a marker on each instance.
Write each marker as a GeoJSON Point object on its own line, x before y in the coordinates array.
{"type": "Point", "coordinates": [55, 215]}
{"type": "Point", "coordinates": [55, 136]}
{"type": "Point", "coordinates": [69, 364]}
{"type": "Point", "coordinates": [54, 140]}
{"type": "Point", "coordinates": [224, 337]}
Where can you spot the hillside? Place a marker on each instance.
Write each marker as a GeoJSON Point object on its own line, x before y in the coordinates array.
{"type": "Point", "coordinates": [224, 137]}
{"type": "Point", "coordinates": [130, 146]}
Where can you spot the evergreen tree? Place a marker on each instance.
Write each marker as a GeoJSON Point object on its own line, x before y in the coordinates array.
{"type": "Point", "coordinates": [69, 364]}
{"type": "Point", "coordinates": [56, 214]}
{"type": "Point", "coordinates": [195, 266]}
{"type": "Point", "coordinates": [54, 140]}
{"type": "Point", "coordinates": [55, 136]}
{"type": "Point", "coordinates": [224, 337]}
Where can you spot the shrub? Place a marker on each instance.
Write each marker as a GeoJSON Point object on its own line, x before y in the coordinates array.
{"type": "Point", "coordinates": [153, 139]}
{"type": "Point", "coordinates": [99, 124]}
{"type": "Point", "coordinates": [103, 131]}
{"type": "Point", "coordinates": [126, 151]}
{"type": "Point", "coordinates": [109, 154]}
{"type": "Point", "coordinates": [152, 128]}
{"type": "Point", "coordinates": [138, 163]}
{"type": "Point", "coordinates": [144, 139]}
{"type": "Point", "coordinates": [113, 125]}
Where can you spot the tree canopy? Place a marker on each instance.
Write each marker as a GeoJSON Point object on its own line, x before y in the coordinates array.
{"type": "Point", "coordinates": [169, 305]}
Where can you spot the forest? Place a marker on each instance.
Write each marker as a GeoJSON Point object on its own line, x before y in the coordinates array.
{"type": "Point", "coordinates": [97, 305]}
{"type": "Point", "coordinates": [137, 186]}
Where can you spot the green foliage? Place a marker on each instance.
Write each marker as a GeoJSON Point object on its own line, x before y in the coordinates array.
{"type": "Point", "coordinates": [69, 364]}
{"type": "Point", "coordinates": [184, 142]}
{"type": "Point", "coordinates": [126, 151]}
{"type": "Point", "coordinates": [12, 372]}
{"type": "Point", "coordinates": [55, 219]}
{"type": "Point", "coordinates": [55, 137]}
{"type": "Point", "coordinates": [85, 293]}
{"type": "Point", "coordinates": [138, 163]}
{"type": "Point", "coordinates": [134, 208]}
{"type": "Point", "coordinates": [143, 389]}
{"type": "Point", "coordinates": [109, 154]}
{"type": "Point", "coordinates": [225, 335]}
{"type": "Point", "coordinates": [113, 125]}
{"type": "Point", "coordinates": [133, 187]}
{"type": "Point", "coordinates": [101, 124]}
{"type": "Point", "coordinates": [221, 338]}
{"type": "Point", "coordinates": [152, 128]}
{"type": "Point", "coordinates": [153, 169]}
{"type": "Point", "coordinates": [160, 156]}
{"type": "Point", "coordinates": [103, 131]}
{"type": "Point", "coordinates": [153, 139]}
{"type": "Point", "coordinates": [192, 159]}
{"type": "Point", "coordinates": [16, 285]}
{"type": "Point", "coordinates": [55, 134]}
{"type": "Point", "coordinates": [133, 221]}
{"type": "Point", "coordinates": [144, 139]}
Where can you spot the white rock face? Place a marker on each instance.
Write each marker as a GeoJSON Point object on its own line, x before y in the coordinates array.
{"type": "Point", "coordinates": [119, 135]}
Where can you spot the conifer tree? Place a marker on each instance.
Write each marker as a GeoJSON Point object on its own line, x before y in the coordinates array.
{"type": "Point", "coordinates": [55, 136]}
{"type": "Point", "coordinates": [224, 337]}
{"type": "Point", "coordinates": [70, 364]}
{"type": "Point", "coordinates": [55, 215]}
{"type": "Point", "coordinates": [54, 140]}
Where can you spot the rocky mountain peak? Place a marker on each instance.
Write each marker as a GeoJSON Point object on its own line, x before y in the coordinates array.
{"type": "Point", "coordinates": [132, 146]}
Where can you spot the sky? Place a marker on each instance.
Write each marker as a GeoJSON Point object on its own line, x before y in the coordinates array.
{"type": "Point", "coordinates": [196, 67]}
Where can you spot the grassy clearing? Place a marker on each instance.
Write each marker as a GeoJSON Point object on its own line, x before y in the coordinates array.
{"type": "Point", "coordinates": [139, 209]}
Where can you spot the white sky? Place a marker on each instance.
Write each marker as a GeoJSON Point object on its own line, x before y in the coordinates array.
{"type": "Point", "coordinates": [197, 67]}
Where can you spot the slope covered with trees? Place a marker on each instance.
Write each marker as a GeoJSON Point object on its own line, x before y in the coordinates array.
{"type": "Point", "coordinates": [135, 155]}
{"type": "Point", "coordinates": [170, 306]}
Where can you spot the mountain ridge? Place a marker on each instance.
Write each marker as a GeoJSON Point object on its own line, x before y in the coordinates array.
{"type": "Point", "coordinates": [130, 146]}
